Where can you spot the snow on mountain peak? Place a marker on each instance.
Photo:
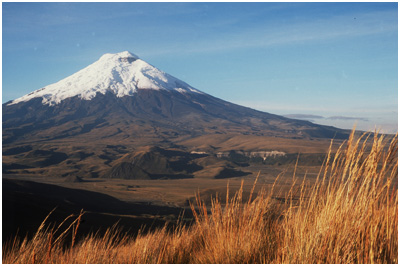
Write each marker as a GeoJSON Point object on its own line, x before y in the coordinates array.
{"type": "Point", "coordinates": [121, 55]}
{"type": "Point", "coordinates": [121, 73]}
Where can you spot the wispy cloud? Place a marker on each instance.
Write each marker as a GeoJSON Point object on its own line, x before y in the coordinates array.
{"type": "Point", "coordinates": [311, 117]}
{"type": "Point", "coordinates": [304, 116]}
{"type": "Point", "coordinates": [348, 118]}
{"type": "Point", "coordinates": [265, 35]}
{"type": "Point", "coordinates": [202, 33]}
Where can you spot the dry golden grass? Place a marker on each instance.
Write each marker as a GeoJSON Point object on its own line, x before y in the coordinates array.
{"type": "Point", "coordinates": [349, 215]}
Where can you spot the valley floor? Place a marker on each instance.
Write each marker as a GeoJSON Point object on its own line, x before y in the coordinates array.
{"type": "Point", "coordinates": [346, 214]}
{"type": "Point", "coordinates": [131, 203]}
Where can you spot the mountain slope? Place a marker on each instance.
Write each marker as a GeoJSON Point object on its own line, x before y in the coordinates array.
{"type": "Point", "coordinates": [185, 114]}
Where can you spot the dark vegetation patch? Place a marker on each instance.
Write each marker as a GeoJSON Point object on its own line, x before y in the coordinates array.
{"type": "Point", "coordinates": [73, 179]}
{"type": "Point", "coordinates": [9, 167]}
{"type": "Point", "coordinates": [47, 157]}
{"type": "Point", "coordinates": [118, 148]}
{"type": "Point", "coordinates": [13, 166]}
{"type": "Point", "coordinates": [81, 155]}
{"type": "Point", "coordinates": [229, 172]}
{"type": "Point", "coordinates": [108, 158]}
{"type": "Point", "coordinates": [17, 150]}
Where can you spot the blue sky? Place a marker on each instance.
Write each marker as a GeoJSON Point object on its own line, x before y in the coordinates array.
{"type": "Point", "coordinates": [333, 63]}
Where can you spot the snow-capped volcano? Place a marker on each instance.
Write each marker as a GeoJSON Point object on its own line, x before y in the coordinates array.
{"type": "Point", "coordinates": [82, 124]}
{"type": "Point", "coordinates": [121, 73]}
{"type": "Point", "coordinates": [121, 96]}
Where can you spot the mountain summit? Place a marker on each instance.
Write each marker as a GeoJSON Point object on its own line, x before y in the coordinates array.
{"type": "Point", "coordinates": [121, 74]}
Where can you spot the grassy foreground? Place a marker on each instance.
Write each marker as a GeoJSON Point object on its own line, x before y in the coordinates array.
{"type": "Point", "coordinates": [349, 215]}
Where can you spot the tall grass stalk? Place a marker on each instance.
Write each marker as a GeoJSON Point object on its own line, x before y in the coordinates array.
{"type": "Point", "coordinates": [351, 214]}
{"type": "Point", "coordinates": [348, 215]}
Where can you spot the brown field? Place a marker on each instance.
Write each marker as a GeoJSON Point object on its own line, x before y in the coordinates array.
{"type": "Point", "coordinates": [80, 157]}
{"type": "Point", "coordinates": [173, 192]}
{"type": "Point", "coordinates": [344, 212]}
